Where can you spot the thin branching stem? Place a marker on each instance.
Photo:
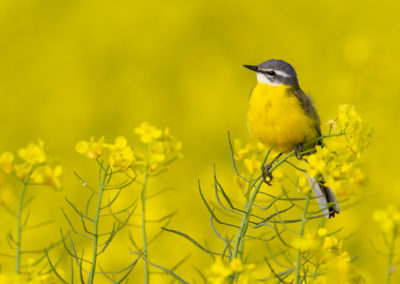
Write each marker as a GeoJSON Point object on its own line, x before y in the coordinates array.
{"type": "Point", "coordinates": [96, 225]}
{"type": "Point", "coordinates": [145, 249]}
{"type": "Point", "coordinates": [301, 233]}
{"type": "Point", "coordinates": [390, 256]}
{"type": "Point", "coordinates": [238, 245]}
{"type": "Point", "coordinates": [19, 226]}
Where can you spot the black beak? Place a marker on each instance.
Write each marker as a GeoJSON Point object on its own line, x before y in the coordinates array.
{"type": "Point", "coordinates": [252, 67]}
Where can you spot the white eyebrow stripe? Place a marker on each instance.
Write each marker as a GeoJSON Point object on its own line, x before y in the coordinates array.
{"type": "Point", "coordinates": [282, 73]}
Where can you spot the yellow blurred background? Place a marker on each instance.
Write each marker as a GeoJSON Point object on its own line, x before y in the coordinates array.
{"type": "Point", "coordinates": [73, 69]}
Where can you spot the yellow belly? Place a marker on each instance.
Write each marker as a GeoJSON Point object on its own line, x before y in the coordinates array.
{"type": "Point", "coordinates": [275, 117]}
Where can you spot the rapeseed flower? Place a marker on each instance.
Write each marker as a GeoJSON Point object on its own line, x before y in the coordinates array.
{"type": "Point", "coordinates": [339, 161]}
{"type": "Point", "coordinates": [148, 133]}
{"type": "Point", "coordinates": [389, 219]}
{"type": "Point", "coordinates": [48, 175]}
{"type": "Point", "coordinates": [23, 170]}
{"type": "Point", "coordinates": [121, 156]}
{"type": "Point", "coordinates": [33, 165]}
{"type": "Point", "coordinates": [309, 241]}
{"type": "Point", "coordinates": [162, 147]}
{"type": "Point", "coordinates": [33, 153]}
{"type": "Point", "coordinates": [220, 272]}
{"type": "Point", "coordinates": [251, 155]}
{"type": "Point", "coordinates": [6, 161]}
{"type": "Point", "coordinates": [92, 149]}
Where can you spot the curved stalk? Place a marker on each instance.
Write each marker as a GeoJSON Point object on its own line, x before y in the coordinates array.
{"type": "Point", "coordinates": [19, 227]}
{"type": "Point", "coordinates": [96, 227]}
{"type": "Point", "coordinates": [303, 224]}
{"type": "Point", "coordinates": [145, 251]}
{"type": "Point", "coordinates": [390, 257]}
{"type": "Point", "coordinates": [238, 246]}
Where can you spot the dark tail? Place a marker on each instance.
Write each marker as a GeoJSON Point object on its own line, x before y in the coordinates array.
{"type": "Point", "coordinates": [325, 197]}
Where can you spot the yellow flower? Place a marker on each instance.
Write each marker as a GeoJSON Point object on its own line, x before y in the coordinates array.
{"type": "Point", "coordinates": [6, 161]}
{"type": "Point", "coordinates": [251, 155]}
{"type": "Point", "coordinates": [332, 244]}
{"type": "Point", "coordinates": [357, 132]}
{"type": "Point", "coordinates": [92, 149]}
{"type": "Point", "coordinates": [236, 265]}
{"type": "Point", "coordinates": [303, 185]}
{"type": "Point", "coordinates": [219, 272]}
{"type": "Point", "coordinates": [307, 242]}
{"type": "Point", "coordinates": [120, 143]}
{"type": "Point", "coordinates": [322, 232]}
{"type": "Point", "coordinates": [22, 170]}
{"type": "Point", "coordinates": [122, 159]}
{"type": "Point", "coordinates": [48, 175]}
{"type": "Point", "coordinates": [242, 152]}
{"type": "Point", "coordinates": [343, 263]}
{"type": "Point", "coordinates": [163, 150]}
{"type": "Point", "coordinates": [148, 132]}
{"type": "Point", "coordinates": [388, 219]}
{"type": "Point", "coordinates": [33, 153]}
{"type": "Point", "coordinates": [338, 162]}
{"type": "Point", "coordinates": [252, 164]}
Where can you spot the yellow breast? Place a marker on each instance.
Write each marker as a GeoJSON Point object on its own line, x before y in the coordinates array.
{"type": "Point", "coordinates": [275, 117]}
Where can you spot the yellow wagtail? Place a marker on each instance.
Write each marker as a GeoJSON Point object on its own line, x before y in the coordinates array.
{"type": "Point", "coordinates": [281, 115]}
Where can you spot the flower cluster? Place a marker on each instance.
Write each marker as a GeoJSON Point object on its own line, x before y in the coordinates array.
{"type": "Point", "coordinates": [121, 157]}
{"type": "Point", "coordinates": [33, 165]}
{"type": "Point", "coordinates": [250, 154]}
{"type": "Point", "coordinates": [163, 148]}
{"type": "Point", "coordinates": [327, 252]}
{"type": "Point", "coordinates": [221, 272]}
{"type": "Point", "coordinates": [310, 241]}
{"type": "Point", "coordinates": [357, 132]}
{"type": "Point", "coordinates": [389, 219]}
{"type": "Point", "coordinates": [249, 157]}
{"type": "Point", "coordinates": [339, 160]}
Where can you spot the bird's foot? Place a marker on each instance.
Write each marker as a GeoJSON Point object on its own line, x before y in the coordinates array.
{"type": "Point", "coordinates": [299, 149]}
{"type": "Point", "coordinates": [266, 173]}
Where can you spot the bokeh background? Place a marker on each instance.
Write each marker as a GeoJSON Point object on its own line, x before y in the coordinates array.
{"type": "Point", "coordinates": [73, 69]}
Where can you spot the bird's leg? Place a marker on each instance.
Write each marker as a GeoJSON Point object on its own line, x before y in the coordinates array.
{"type": "Point", "coordinates": [266, 170]}
{"type": "Point", "coordinates": [299, 149]}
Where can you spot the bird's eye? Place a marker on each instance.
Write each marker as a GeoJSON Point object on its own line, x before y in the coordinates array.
{"type": "Point", "coordinates": [270, 73]}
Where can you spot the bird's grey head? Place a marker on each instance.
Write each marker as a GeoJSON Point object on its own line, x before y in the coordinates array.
{"type": "Point", "coordinates": [275, 72]}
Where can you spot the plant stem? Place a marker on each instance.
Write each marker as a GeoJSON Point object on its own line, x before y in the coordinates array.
{"type": "Point", "coordinates": [390, 257]}
{"type": "Point", "coordinates": [238, 246]}
{"type": "Point", "coordinates": [96, 226]}
{"type": "Point", "coordinates": [303, 224]}
{"type": "Point", "coordinates": [19, 227]}
{"type": "Point", "coordinates": [145, 251]}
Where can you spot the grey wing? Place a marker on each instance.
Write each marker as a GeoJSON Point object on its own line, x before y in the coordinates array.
{"type": "Point", "coordinates": [309, 109]}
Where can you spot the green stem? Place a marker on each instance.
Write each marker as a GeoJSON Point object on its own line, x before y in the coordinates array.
{"type": "Point", "coordinates": [281, 161]}
{"type": "Point", "coordinates": [303, 224]}
{"type": "Point", "coordinates": [19, 227]}
{"type": "Point", "coordinates": [238, 246]}
{"type": "Point", "coordinates": [145, 251]}
{"type": "Point", "coordinates": [96, 227]}
{"type": "Point", "coordinates": [390, 257]}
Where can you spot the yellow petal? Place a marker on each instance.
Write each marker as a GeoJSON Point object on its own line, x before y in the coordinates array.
{"type": "Point", "coordinates": [82, 147]}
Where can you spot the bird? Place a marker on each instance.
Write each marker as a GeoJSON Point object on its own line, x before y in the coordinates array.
{"type": "Point", "coordinates": [282, 116]}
